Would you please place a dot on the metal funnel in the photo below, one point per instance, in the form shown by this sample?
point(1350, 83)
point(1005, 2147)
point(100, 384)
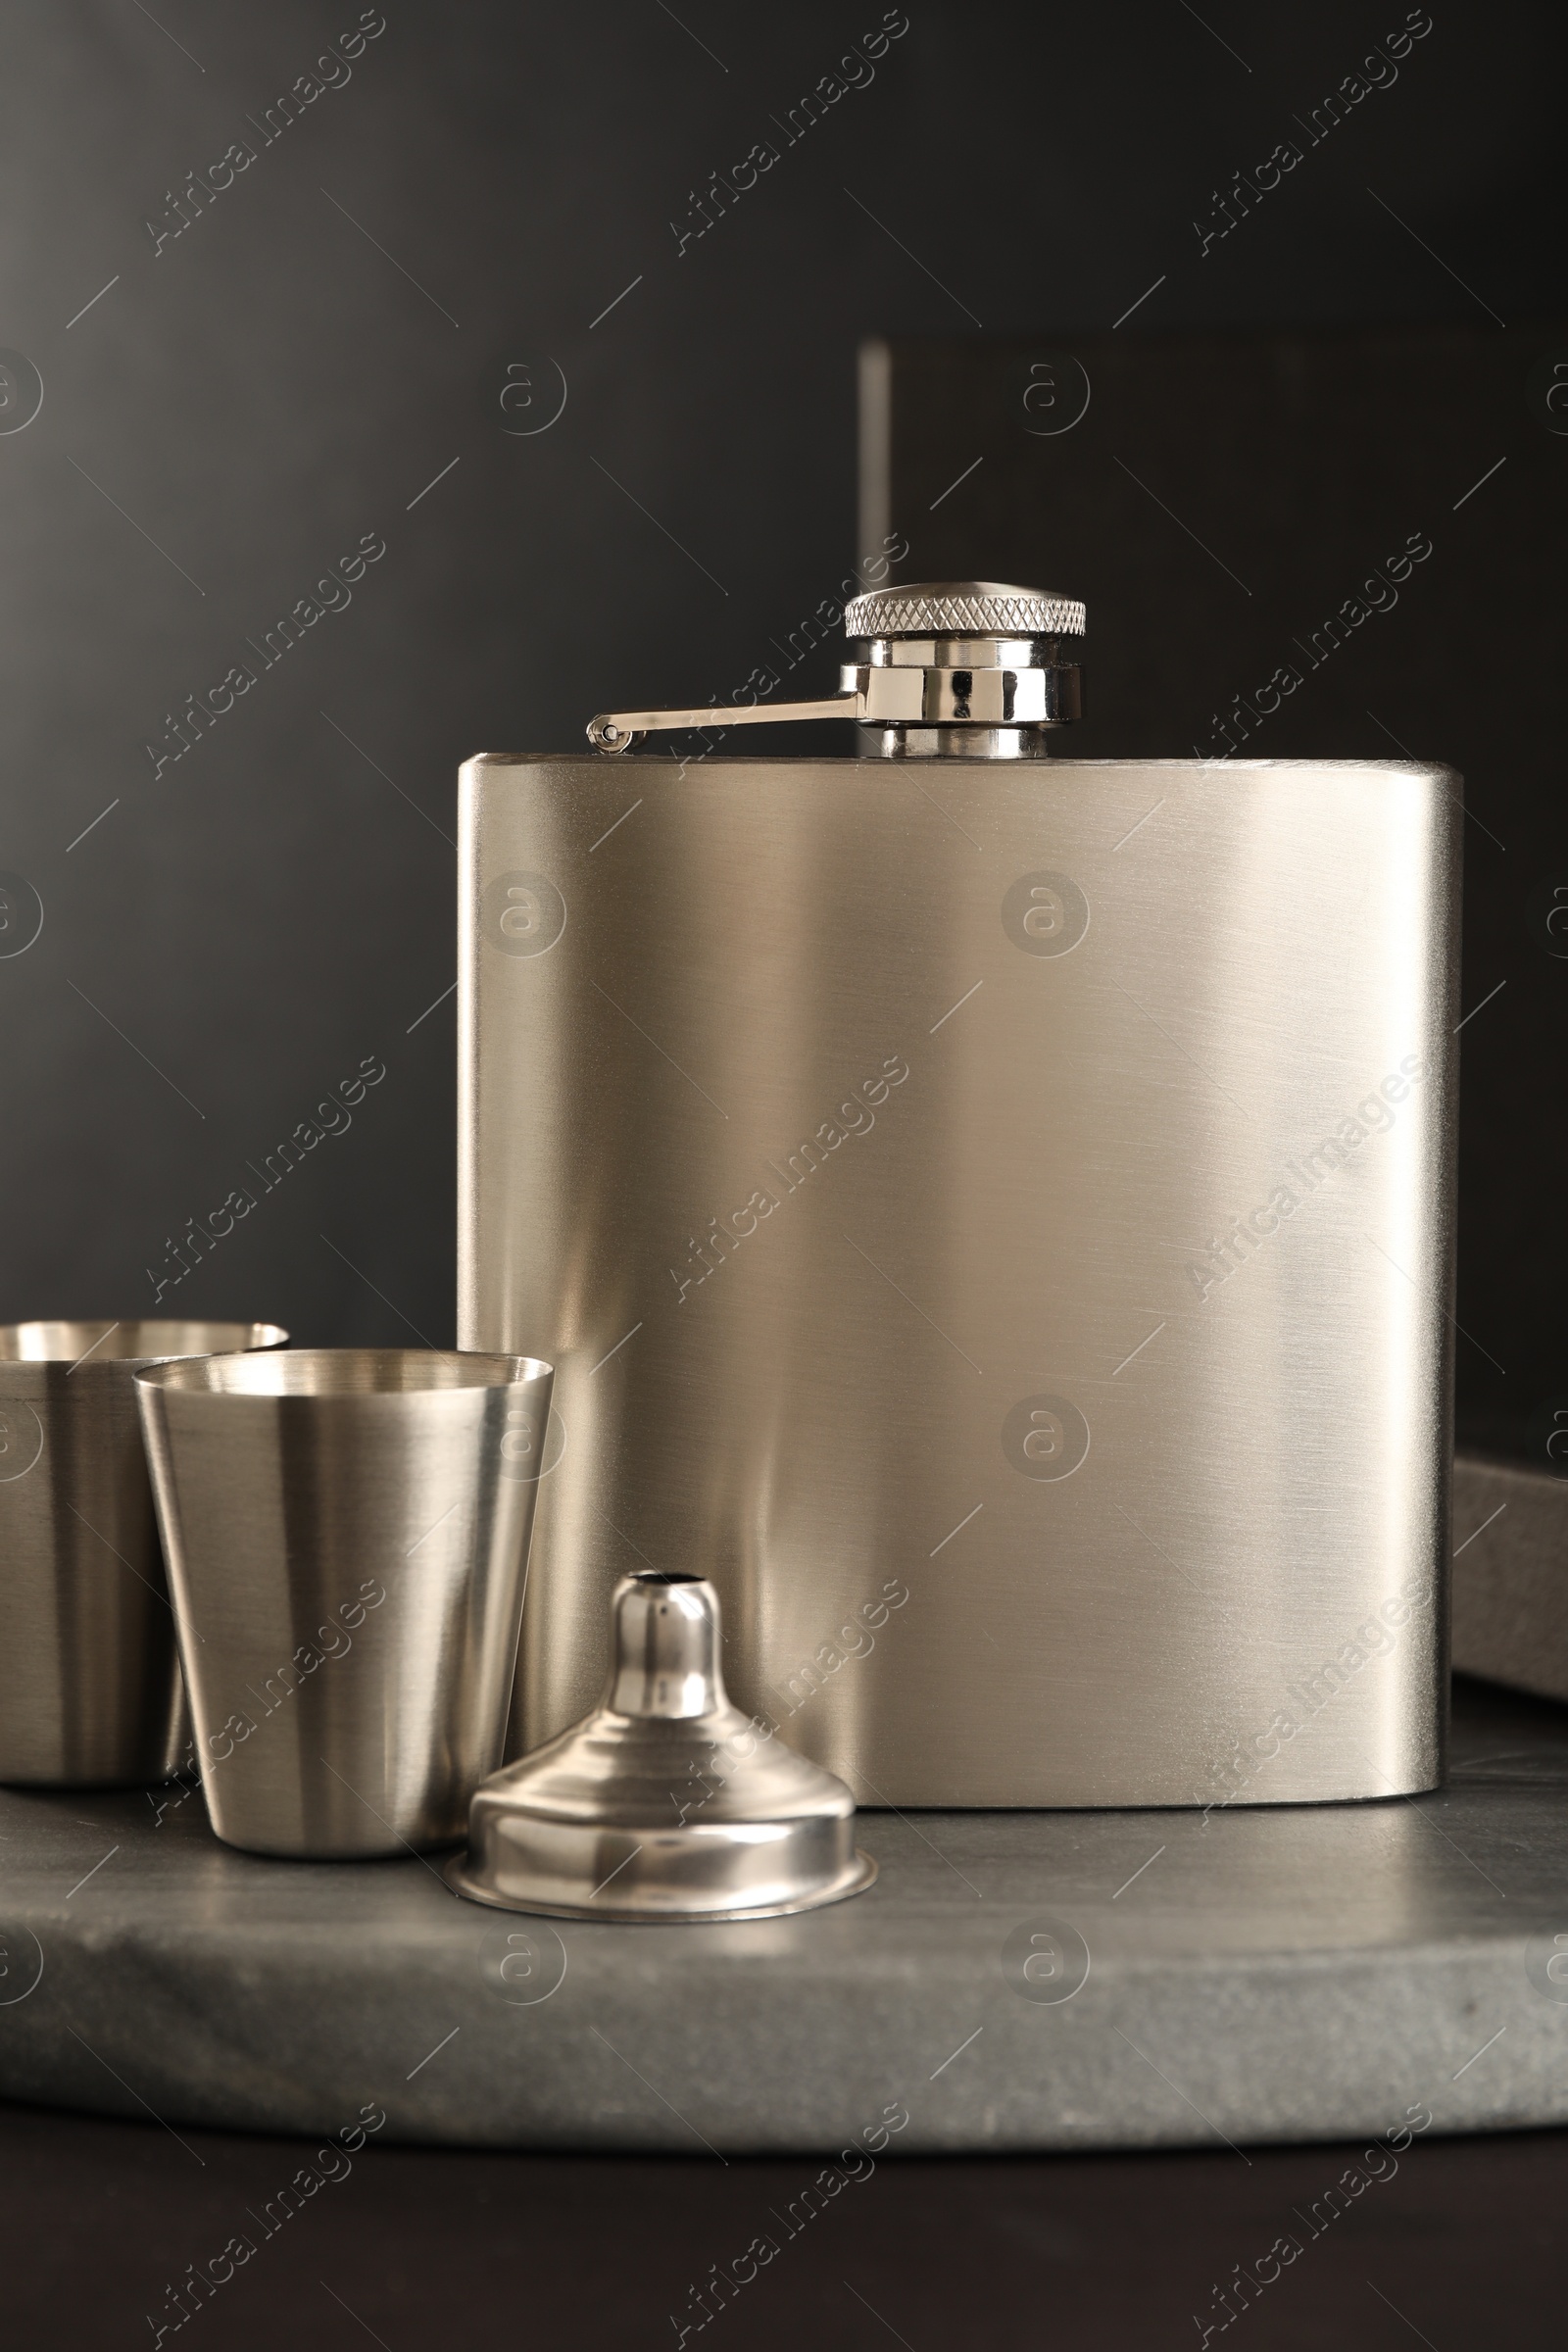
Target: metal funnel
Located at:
point(666, 1802)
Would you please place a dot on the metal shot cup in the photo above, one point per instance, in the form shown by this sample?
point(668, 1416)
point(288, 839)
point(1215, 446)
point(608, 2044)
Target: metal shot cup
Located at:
point(347, 1533)
point(89, 1680)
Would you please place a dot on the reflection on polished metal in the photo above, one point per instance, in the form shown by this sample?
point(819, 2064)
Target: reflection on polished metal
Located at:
point(347, 1531)
point(996, 1223)
point(89, 1684)
point(666, 1802)
point(950, 669)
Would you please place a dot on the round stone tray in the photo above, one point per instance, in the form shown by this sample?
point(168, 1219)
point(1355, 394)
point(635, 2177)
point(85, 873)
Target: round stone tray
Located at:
point(1014, 1981)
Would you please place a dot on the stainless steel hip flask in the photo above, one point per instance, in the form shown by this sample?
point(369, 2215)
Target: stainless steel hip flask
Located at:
point(992, 1215)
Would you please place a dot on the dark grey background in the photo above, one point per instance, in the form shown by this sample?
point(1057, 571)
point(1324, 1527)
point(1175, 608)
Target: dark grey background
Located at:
point(234, 936)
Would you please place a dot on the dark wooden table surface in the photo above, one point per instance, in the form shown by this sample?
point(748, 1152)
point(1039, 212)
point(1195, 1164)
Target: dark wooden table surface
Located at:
point(1462, 2246)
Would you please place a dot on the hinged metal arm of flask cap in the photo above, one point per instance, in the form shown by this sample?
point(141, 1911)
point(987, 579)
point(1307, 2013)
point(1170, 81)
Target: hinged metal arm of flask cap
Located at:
point(618, 730)
point(954, 668)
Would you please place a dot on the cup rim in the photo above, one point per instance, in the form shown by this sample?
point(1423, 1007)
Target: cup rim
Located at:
point(253, 1338)
point(229, 1376)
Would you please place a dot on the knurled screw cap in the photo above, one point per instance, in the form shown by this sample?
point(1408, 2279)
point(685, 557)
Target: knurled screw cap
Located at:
point(963, 609)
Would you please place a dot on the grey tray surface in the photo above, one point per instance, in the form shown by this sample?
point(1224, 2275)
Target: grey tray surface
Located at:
point(1024, 1981)
point(1511, 1574)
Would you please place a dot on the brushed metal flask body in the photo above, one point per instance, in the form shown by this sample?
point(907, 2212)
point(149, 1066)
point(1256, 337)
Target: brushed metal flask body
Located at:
point(995, 1221)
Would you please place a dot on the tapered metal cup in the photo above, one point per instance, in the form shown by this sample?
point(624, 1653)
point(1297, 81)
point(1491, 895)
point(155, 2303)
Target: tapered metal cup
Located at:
point(347, 1531)
point(90, 1681)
